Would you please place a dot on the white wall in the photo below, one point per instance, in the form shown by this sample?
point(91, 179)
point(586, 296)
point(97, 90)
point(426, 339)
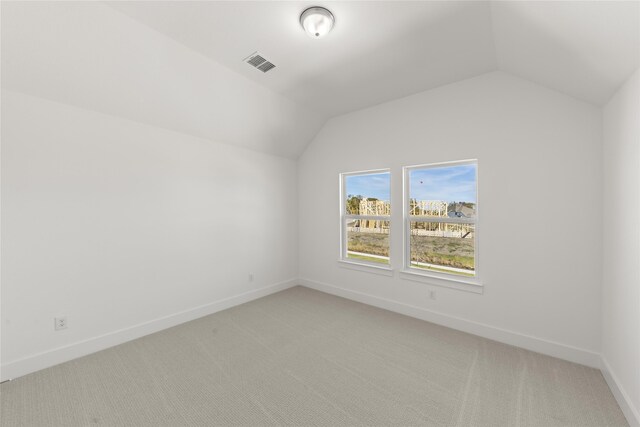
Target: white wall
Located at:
point(540, 208)
point(621, 277)
point(114, 223)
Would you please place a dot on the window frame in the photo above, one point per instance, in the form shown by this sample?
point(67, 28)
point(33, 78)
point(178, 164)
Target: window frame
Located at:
point(344, 216)
point(413, 273)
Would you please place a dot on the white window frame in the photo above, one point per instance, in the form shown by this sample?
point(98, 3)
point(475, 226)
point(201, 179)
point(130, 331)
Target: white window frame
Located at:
point(409, 272)
point(344, 216)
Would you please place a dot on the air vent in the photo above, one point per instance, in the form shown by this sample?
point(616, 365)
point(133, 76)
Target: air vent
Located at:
point(259, 62)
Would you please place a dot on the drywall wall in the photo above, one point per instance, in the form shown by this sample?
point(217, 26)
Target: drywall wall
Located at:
point(126, 228)
point(540, 208)
point(621, 245)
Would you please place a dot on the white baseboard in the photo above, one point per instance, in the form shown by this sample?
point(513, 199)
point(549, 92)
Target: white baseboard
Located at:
point(59, 355)
point(82, 348)
point(629, 410)
point(539, 345)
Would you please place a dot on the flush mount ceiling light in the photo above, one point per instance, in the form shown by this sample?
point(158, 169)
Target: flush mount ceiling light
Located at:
point(317, 21)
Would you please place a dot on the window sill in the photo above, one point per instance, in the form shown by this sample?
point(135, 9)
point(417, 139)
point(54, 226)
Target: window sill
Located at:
point(460, 283)
point(369, 268)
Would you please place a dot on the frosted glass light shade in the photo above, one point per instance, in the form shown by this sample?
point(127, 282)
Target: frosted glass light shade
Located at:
point(317, 21)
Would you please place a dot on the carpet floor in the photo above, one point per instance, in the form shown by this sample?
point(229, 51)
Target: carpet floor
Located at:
point(305, 358)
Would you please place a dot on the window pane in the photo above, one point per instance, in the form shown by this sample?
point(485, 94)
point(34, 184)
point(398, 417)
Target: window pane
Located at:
point(368, 194)
point(443, 247)
point(368, 240)
point(443, 191)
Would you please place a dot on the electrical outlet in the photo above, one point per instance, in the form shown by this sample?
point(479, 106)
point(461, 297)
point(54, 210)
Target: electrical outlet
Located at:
point(60, 323)
point(251, 277)
point(432, 294)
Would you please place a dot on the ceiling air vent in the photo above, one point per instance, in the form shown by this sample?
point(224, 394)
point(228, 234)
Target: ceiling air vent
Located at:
point(257, 61)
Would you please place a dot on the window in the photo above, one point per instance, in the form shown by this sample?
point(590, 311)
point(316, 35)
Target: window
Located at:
point(365, 217)
point(441, 207)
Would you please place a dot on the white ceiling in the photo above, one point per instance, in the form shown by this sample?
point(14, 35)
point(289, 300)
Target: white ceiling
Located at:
point(89, 55)
point(384, 50)
point(584, 49)
point(377, 50)
point(182, 68)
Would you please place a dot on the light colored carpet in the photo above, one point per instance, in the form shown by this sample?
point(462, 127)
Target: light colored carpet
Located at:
point(301, 357)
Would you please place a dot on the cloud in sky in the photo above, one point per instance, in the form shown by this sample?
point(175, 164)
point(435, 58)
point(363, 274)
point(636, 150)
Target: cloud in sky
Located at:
point(369, 186)
point(448, 183)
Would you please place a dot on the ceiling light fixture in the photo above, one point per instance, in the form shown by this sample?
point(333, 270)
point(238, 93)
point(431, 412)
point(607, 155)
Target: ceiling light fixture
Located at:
point(317, 21)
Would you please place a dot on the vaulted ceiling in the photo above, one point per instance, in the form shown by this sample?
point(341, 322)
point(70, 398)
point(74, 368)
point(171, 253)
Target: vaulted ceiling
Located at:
point(179, 64)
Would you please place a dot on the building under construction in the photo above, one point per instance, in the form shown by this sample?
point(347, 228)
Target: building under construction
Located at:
point(423, 208)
